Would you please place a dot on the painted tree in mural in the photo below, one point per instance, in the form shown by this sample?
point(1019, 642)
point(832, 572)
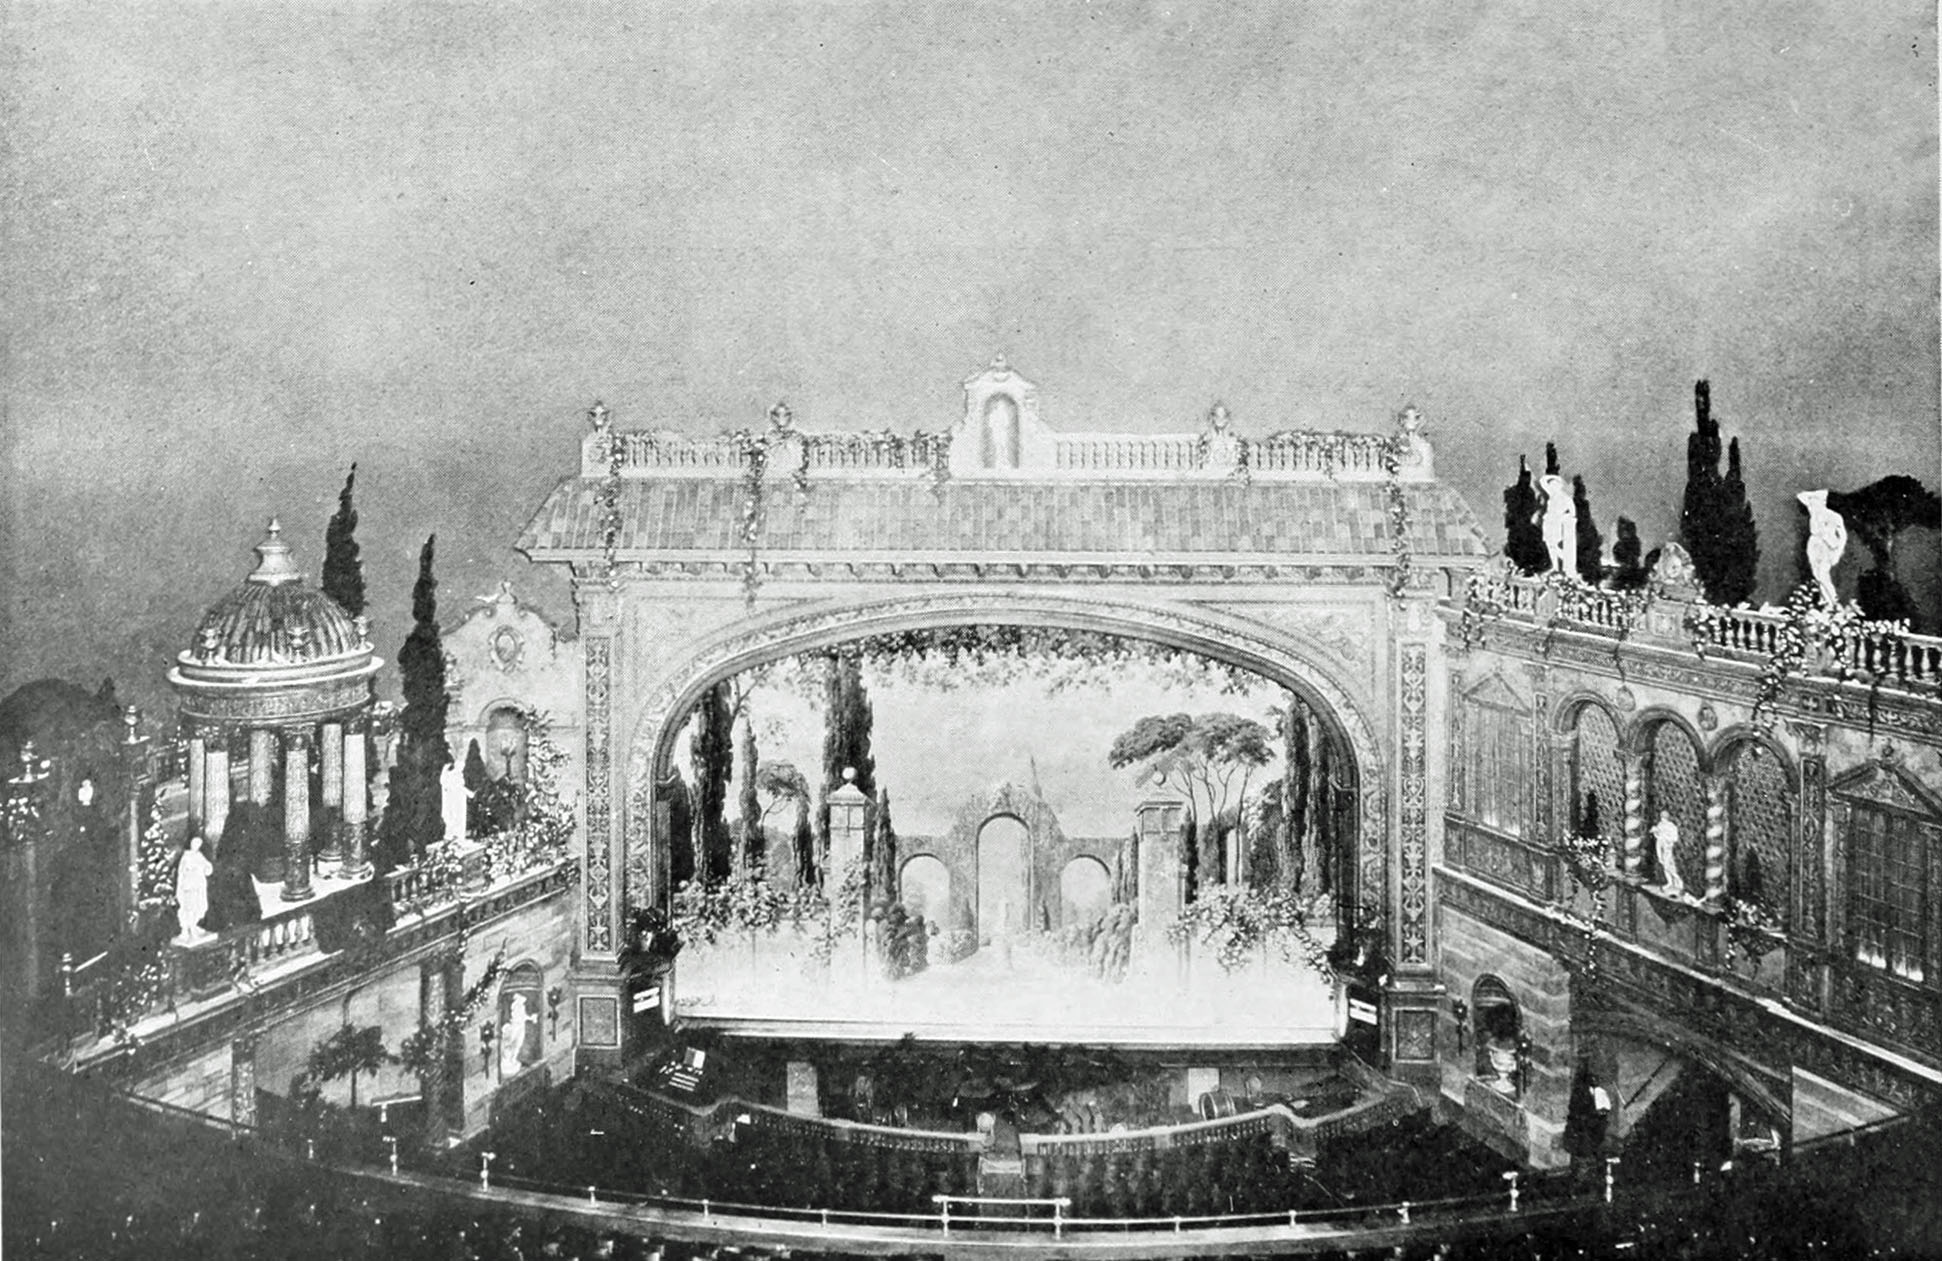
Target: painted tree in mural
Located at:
point(413, 817)
point(784, 785)
point(491, 804)
point(1590, 544)
point(1879, 514)
point(754, 847)
point(681, 824)
point(883, 853)
point(1628, 573)
point(1523, 538)
point(1199, 756)
point(1715, 520)
point(712, 748)
point(1297, 773)
point(847, 721)
point(343, 578)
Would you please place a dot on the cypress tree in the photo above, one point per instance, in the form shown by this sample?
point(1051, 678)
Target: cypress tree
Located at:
point(343, 579)
point(413, 818)
point(1591, 547)
point(1551, 468)
point(847, 718)
point(883, 856)
point(477, 781)
point(1630, 574)
point(1523, 538)
point(714, 759)
point(755, 849)
point(1739, 556)
point(681, 853)
point(1715, 520)
point(1297, 776)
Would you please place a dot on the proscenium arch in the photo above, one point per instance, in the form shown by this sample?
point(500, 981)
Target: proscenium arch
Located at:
point(1282, 660)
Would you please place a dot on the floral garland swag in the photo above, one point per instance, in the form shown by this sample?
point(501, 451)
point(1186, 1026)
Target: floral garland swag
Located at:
point(542, 835)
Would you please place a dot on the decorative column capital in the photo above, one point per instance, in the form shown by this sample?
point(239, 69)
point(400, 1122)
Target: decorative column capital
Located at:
point(1812, 736)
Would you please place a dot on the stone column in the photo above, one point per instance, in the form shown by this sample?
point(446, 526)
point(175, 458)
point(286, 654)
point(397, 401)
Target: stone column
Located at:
point(296, 816)
point(331, 747)
point(198, 750)
point(215, 811)
point(357, 790)
point(1714, 787)
point(1634, 812)
point(134, 761)
point(262, 766)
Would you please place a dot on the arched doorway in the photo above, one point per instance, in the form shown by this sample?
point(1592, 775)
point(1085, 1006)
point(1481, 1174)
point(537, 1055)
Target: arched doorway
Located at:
point(1085, 891)
point(1004, 878)
point(924, 887)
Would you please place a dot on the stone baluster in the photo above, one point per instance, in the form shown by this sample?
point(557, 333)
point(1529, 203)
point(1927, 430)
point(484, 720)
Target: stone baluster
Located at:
point(357, 790)
point(1634, 812)
point(296, 816)
point(331, 748)
point(1715, 790)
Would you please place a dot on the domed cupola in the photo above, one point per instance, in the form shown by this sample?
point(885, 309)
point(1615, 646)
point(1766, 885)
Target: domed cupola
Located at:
point(273, 630)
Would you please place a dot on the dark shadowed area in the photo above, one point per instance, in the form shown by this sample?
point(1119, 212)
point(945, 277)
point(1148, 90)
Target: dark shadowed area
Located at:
point(246, 245)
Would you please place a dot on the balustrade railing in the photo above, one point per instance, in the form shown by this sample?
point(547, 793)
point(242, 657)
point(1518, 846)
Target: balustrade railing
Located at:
point(1293, 456)
point(1905, 658)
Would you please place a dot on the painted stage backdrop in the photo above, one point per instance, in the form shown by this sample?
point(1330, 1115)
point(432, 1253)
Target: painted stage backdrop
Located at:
point(1028, 835)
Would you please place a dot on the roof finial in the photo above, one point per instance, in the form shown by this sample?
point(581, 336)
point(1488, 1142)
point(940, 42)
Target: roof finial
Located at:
point(273, 566)
point(781, 417)
point(598, 415)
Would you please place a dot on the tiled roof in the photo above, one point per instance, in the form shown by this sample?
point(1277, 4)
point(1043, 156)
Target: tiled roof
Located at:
point(1212, 521)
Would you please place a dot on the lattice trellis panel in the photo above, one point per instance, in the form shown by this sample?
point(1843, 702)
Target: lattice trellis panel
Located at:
point(1760, 809)
point(1596, 768)
point(1672, 784)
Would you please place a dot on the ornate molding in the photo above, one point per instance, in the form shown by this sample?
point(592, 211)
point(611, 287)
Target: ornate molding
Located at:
point(599, 937)
point(1413, 801)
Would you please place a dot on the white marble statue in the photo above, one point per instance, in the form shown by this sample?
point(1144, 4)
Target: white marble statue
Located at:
point(192, 871)
point(512, 1036)
point(1827, 538)
point(1665, 839)
point(1560, 524)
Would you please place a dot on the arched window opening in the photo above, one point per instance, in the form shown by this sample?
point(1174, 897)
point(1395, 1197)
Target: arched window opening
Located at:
point(1760, 810)
point(1672, 789)
point(1498, 1029)
point(1597, 779)
point(505, 745)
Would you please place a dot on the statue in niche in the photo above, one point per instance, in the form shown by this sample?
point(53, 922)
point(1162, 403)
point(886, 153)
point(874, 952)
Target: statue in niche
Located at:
point(512, 1036)
point(1827, 538)
point(1001, 432)
point(1665, 840)
point(1223, 448)
point(1560, 525)
point(192, 871)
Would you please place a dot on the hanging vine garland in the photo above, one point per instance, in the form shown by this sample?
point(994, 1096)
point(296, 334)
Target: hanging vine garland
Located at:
point(156, 881)
point(607, 498)
point(432, 1043)
point(1392, 477)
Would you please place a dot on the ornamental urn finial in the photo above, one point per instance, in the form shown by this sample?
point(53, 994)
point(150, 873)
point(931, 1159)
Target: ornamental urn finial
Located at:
point(599, 416)
point(273, 564)
point(780, 417)
point(1218, 418)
